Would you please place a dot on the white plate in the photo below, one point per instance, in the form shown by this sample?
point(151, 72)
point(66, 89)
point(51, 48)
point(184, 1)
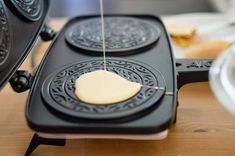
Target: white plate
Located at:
point(211, 26)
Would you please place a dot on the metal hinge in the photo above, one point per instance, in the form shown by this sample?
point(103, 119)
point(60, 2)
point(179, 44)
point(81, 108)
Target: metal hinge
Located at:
point(21, 81)
point(47, 33)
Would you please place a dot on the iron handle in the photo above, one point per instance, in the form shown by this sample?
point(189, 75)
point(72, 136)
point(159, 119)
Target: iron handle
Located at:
point(192, 70)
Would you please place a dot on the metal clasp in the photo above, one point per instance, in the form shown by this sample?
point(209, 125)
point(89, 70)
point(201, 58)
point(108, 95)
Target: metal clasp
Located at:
point(21, 81)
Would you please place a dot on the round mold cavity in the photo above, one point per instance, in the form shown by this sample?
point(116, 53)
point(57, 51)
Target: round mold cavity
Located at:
point(122, 34)
point(58, 89)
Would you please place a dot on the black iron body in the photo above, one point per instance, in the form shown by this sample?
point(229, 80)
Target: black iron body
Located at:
point(155, 119)
point(61, 54)
point(23, 33)
point(157, 116)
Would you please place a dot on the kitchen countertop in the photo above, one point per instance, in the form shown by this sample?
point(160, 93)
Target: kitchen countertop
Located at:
point(203, 128)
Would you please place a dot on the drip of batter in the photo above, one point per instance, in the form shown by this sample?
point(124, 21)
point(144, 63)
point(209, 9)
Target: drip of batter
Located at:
point(103, 32)
point(103, 87)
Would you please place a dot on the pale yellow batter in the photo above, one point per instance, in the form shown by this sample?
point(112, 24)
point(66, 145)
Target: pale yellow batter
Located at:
point(103, 87)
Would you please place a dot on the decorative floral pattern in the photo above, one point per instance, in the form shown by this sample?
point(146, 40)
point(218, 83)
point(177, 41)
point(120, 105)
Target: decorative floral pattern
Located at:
point(61, 87)
point(4, 36)
point(31, 9)
point(121, 34)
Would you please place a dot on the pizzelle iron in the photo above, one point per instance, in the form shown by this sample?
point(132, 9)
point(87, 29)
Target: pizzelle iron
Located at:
point(138, 48)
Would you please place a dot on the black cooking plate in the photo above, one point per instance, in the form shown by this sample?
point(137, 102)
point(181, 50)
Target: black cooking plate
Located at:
point(134, 53)
point(20, 24)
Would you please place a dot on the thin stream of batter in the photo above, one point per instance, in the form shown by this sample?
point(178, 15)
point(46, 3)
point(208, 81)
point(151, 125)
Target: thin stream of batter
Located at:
point(102, 31)
point(113, 97)
point(104, 46)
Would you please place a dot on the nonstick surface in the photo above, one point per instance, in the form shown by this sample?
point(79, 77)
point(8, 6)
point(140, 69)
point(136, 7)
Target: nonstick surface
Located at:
point(58, 89)
point(121, 34)
point(44, 117)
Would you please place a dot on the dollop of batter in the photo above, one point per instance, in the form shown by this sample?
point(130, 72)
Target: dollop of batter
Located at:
point(103, 87)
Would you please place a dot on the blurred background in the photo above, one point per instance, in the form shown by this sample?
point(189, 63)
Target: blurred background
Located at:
point(65, 8)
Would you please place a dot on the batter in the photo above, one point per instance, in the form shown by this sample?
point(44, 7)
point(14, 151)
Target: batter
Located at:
point(103, 87)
